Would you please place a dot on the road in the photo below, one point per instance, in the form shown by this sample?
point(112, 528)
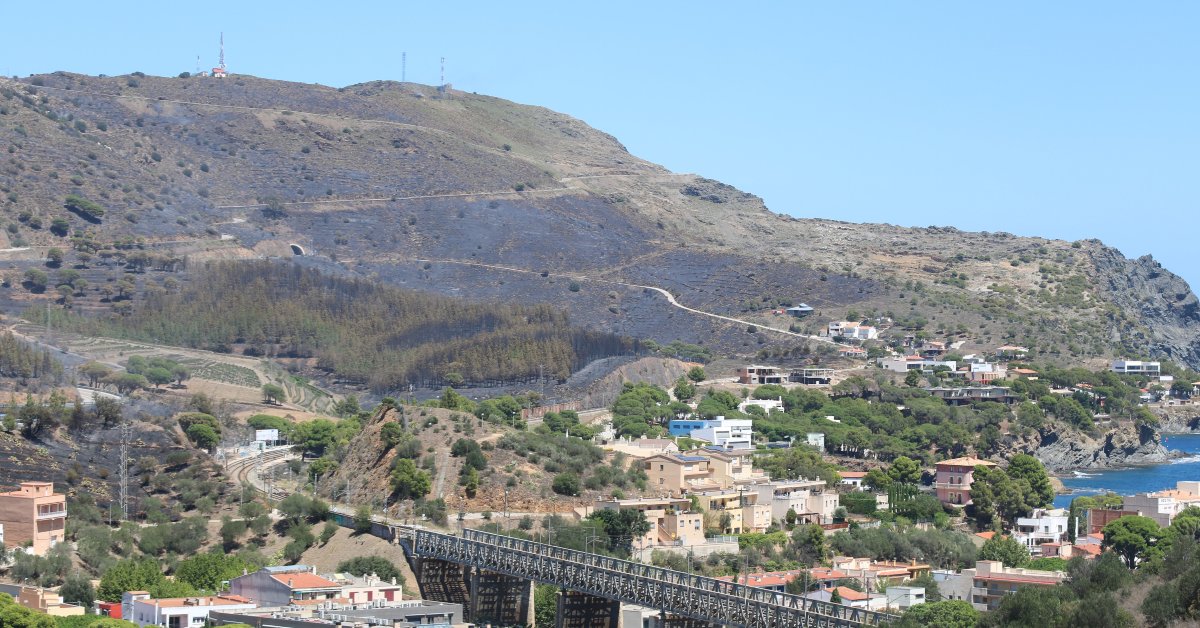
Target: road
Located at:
point(670, 297)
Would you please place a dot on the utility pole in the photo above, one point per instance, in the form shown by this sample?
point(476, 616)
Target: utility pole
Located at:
point(125, 432)
point(404, 67)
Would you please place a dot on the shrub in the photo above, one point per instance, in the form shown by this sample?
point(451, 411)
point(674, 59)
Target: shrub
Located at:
point(90, 210)
point(566, 484)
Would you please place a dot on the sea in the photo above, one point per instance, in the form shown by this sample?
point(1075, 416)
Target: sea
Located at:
point(1138, 479)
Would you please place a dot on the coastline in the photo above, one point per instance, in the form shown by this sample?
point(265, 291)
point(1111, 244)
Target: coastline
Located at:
point(1135, 476)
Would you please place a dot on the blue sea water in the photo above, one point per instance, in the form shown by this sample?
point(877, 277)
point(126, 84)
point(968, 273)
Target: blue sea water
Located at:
point(1140, 479)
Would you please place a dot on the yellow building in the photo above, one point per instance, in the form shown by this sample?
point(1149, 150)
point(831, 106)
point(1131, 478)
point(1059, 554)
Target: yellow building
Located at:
point(744, 514)
point(48, 602)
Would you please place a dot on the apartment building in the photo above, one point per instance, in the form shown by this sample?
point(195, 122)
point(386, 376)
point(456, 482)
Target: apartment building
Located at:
point(744, 513)
point(33, 514)
point(679, 474)
point(731, 468)
point(1042, 527)
point(991, 581)
point(672, 521)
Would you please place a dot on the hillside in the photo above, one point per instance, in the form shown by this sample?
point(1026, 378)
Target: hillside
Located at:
point(473, 196)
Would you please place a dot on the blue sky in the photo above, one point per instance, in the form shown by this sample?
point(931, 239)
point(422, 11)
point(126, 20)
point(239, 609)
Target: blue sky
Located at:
point(1067, 119)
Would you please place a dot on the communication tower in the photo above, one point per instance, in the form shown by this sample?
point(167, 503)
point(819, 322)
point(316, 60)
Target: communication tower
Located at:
point(219, 71)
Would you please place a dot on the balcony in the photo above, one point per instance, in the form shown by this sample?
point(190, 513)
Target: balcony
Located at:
point(952, 486)
point(52, 514)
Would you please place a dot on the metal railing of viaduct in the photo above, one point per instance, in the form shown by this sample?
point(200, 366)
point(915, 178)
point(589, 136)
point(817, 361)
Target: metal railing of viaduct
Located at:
point(697, 597)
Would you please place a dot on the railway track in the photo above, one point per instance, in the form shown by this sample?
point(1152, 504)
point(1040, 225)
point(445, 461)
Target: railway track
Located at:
point(246, 470)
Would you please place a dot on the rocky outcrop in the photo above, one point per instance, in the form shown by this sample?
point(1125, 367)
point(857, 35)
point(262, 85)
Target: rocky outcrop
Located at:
point(1178, 419)
point(1158, 300)
point(1121, 447)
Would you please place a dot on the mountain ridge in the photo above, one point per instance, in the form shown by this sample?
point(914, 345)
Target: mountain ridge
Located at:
point(412, 172)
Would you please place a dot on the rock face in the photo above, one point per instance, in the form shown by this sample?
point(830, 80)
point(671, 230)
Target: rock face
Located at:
point(1117, 448)
point(1179, 419)
point(1160, 301)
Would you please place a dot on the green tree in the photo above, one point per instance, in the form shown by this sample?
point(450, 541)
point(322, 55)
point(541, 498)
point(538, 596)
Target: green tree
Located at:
point(622, 527)
point(129, 575)
point(362, 519)
point(203, 436)
point(95, 372)
point(159, 376)
point(391, 432)
point(1006, 550)
point(207, 571)
point(912, 379)
point(409, 482)
point(684, 389)
point(273, 393)
point(1162, 605)
point(366, 565)
point(905, 470)
point(77, 589)
point(54, 257)
point(545, 604)
point(566, 484)
point(1033, 606)
point(328, 531)
point(1133, 538)
point(36, 279)
point(1030, 469)
point(944, 614)
point(14, 616)
point(126, 383)
point(877, 480)
point(697, 374)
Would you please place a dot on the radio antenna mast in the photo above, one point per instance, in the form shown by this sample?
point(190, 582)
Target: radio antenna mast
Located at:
point(404, 67)
point(221, 62)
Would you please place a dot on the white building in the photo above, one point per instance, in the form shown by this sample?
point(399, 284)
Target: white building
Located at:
point(816, 440)
point(766, 404)
point(1045, 526)
point(904, 597)
point(808, 498)
point(850, 329)
point(179, 612)
point(1136, 367)
point(727, 433)
point(904, 364)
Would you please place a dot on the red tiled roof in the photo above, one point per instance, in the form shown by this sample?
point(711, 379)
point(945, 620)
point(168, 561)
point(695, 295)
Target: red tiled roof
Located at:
point(850, 595)
point(1094, 550)
point(824, 573)
point(767, 579)
point(852, 474)
point(304, 581)
point(986, 535)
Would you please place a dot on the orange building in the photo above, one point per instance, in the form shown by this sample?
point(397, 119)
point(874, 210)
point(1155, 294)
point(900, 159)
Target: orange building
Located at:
point(33, 514)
